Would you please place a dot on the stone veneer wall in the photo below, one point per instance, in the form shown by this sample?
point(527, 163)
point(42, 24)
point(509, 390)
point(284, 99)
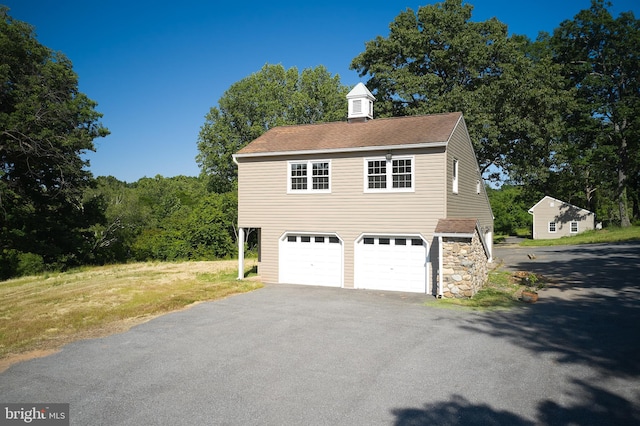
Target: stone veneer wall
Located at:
point(464, 266)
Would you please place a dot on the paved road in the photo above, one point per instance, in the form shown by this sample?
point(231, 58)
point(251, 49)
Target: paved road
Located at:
point(597, 269)
point(288, 355)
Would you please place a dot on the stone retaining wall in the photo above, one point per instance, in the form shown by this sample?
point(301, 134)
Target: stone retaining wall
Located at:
point(464, 266)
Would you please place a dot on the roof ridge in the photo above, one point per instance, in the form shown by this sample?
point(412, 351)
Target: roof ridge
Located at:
point(368, 121)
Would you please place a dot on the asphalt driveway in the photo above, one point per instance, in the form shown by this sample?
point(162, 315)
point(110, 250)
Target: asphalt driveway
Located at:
point(294, 355)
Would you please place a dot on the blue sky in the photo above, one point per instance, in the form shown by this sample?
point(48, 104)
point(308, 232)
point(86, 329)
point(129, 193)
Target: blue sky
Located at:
point(156, 67)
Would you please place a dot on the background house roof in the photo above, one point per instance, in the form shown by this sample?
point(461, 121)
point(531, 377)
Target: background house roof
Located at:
point(341, 135)
point(531, 210)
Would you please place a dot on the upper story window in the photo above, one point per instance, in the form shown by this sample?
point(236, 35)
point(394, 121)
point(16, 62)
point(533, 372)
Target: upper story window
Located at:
point(309, 176)
point(393, 174)
point(456, 173)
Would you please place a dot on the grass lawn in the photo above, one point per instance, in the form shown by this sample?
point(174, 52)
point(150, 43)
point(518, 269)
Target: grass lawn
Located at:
point(45, 312)
point(607, 235)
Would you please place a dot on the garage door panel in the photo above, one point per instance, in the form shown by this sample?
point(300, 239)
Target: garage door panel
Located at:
point(311, 260)
point(391, 263)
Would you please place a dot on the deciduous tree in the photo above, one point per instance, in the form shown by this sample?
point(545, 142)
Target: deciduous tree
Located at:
point(274, 96)
point(46, 125)
point(600, 56)
point(438, 60)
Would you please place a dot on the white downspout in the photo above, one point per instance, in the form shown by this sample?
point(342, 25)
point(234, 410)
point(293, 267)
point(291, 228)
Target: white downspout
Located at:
point(440, 266)
point(240, 241)
point(240, 253)
point(429, 289)
point(489, 241)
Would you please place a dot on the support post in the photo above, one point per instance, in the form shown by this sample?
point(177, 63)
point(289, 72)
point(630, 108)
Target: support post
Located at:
point(440, 266)
point(240, 253)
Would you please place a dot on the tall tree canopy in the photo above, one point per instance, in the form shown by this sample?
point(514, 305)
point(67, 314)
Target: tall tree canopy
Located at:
point(46, 124)
point(601, 59)
point(438, 60)
point(271, 97)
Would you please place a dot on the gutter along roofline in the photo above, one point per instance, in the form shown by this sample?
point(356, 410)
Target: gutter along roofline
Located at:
point(341, 150)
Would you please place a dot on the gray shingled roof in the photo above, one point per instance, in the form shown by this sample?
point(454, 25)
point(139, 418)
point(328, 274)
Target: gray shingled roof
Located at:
point(382, 132)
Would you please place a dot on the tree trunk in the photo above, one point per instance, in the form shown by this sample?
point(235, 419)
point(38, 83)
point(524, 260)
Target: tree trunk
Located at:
point(624, 213)
point(623, 156)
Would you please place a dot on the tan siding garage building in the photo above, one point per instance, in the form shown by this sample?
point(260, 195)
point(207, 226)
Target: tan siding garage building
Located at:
point(355, 204)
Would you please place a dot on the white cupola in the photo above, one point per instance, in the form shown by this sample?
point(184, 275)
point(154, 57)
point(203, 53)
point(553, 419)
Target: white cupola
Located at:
point(360, 102)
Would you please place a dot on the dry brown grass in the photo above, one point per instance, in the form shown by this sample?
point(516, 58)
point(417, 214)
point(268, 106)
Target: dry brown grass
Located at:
point(40, 314)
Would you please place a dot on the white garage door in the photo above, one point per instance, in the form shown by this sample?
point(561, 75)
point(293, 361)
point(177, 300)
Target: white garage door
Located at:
point(311, 259)
point(396, 263)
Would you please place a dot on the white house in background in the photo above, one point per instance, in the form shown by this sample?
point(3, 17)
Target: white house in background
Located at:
point(553, 218)
point(355, 204)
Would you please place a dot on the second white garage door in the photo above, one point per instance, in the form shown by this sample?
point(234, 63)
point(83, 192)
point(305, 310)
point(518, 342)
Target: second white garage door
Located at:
point(310, 259)
point(396, 263)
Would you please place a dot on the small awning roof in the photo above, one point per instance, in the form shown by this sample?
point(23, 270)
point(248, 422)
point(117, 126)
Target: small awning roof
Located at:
point(462, 227)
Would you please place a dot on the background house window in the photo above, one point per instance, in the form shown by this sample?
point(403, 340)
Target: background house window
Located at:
point(300, 180)
point(552, 227)
point(574, 227)
point(380, 171)
point(455, 176)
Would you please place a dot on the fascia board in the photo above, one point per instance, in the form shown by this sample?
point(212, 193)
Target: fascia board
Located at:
point(340, 150)
point(452, 235)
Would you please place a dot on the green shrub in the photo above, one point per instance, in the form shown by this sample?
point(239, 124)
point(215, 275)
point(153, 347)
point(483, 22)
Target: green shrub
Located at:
point(30, 264)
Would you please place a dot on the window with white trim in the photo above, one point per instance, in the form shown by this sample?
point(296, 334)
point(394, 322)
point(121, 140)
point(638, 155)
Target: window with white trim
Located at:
point(455, 176)
point(552, 227)
point(393, 174)
point(401, 173)
point(309, 176)
point(573, 228)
